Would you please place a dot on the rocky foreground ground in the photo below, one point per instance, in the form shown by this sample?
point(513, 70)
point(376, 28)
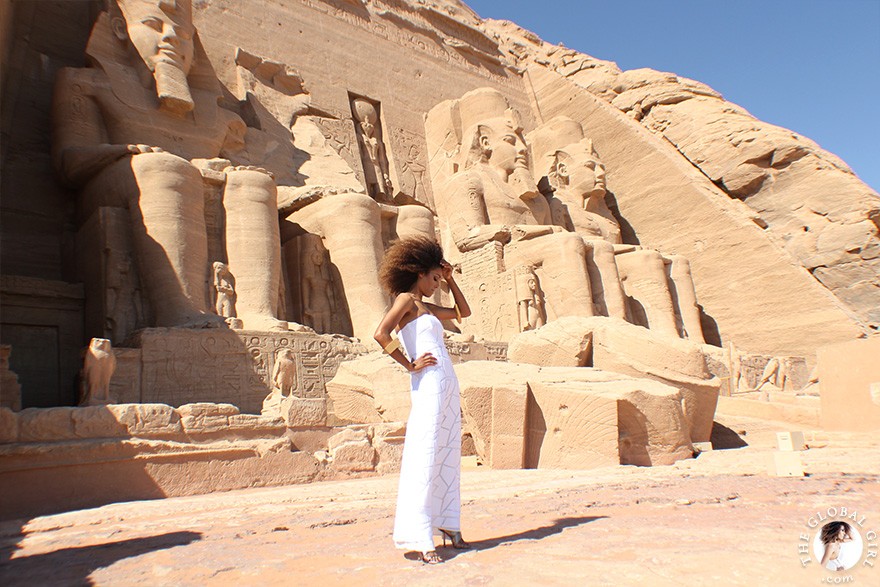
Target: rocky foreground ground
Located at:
point(719, 519)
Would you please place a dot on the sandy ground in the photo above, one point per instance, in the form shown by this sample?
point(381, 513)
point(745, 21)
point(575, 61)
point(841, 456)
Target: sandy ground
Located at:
point(719, 519)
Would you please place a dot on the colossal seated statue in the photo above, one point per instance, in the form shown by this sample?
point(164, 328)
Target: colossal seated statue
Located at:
point(137, 130)
point(660, 288)
point(490, 196)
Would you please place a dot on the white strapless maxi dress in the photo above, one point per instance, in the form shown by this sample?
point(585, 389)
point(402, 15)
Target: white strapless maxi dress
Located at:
point(428, 496)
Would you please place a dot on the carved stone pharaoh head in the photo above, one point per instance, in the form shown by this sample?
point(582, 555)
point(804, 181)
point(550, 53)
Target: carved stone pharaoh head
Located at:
point(578, 167)
point(493, 136)
point(567, 159)
point(161, 32)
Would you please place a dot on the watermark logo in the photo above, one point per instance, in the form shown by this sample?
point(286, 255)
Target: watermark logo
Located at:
point(839, 542)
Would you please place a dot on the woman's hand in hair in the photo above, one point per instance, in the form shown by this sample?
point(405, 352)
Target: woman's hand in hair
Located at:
point(446, 270)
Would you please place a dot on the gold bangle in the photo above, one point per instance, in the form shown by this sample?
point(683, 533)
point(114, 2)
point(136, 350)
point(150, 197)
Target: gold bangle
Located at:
point(392, 346)
point(457, 314)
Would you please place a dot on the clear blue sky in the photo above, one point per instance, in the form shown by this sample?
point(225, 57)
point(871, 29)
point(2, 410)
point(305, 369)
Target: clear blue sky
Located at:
point(812, 66)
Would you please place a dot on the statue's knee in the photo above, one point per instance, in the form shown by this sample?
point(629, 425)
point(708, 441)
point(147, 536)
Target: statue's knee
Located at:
point(161, 163)
point(680, 264)
point(601, 249)
point(414, 221)
point(357, 207)
point(571, 244)
point(165, 172)
point(250, 180)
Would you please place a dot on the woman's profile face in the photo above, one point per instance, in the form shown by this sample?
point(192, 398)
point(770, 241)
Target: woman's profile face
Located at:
point(429, 282)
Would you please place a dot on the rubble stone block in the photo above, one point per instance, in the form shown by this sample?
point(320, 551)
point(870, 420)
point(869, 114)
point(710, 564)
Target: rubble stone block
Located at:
point(790, 441)
point(570, 428)
point(653, 428)
point(8, 426)
point(304, 412)
point(371, 388)
point(146, 420)
point(97, 422)
point(204, 417)
point(508, 451)
point(206, 409)
point(786, 464)
point(46, 424)
point(347, 436)
point(256, 423)
point(579, 417)
point(561, 343)
point(354, 457)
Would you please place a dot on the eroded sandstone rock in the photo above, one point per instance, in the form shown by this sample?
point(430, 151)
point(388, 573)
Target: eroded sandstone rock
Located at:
point(372, 388)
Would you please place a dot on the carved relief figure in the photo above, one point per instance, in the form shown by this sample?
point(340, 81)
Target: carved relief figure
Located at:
point(10, 390)
point(409, 150)
point(318, 295)
point(375, 160)
point(491, 196)
point(775, 373)
point(284, 372)
point(124, 309)
point(224, 285)
point(98, 366)
point(530, 300)
point(137, 130)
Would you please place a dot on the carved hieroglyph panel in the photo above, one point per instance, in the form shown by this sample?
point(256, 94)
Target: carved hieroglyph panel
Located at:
point(182, 366)
point(491, 293)
point(340, 134)
point(409, 165)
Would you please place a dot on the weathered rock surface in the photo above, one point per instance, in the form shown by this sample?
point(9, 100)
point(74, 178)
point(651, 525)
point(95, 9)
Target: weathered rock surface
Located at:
point(810, 202)
point(761, 284)
point(620, 347)
point(509, 408)
point(372, 388)
point(566, 342)
point(572, 417)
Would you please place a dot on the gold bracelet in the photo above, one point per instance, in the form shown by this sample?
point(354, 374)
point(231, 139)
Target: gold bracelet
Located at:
point(392, 346)
point(457, 314)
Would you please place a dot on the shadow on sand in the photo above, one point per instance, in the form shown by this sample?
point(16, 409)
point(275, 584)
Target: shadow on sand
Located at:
point(73, 566)
point(535, 534)
point(724, 438)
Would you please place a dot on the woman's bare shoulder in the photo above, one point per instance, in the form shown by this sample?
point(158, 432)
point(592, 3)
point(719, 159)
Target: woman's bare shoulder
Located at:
point(405, 299)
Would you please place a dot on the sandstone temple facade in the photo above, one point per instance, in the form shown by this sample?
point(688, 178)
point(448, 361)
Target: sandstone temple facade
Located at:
point(196, 197)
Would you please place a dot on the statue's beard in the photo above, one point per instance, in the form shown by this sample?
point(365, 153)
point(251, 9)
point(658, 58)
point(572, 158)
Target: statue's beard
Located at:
point(172, 88)
point(523, 184)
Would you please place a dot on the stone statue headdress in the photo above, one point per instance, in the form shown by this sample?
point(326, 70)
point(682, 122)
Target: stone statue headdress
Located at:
point(452, 130)
point(107, 49)
point(556, 142)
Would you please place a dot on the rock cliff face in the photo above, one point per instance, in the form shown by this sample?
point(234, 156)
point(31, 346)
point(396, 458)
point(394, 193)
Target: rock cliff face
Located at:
point(807, 199)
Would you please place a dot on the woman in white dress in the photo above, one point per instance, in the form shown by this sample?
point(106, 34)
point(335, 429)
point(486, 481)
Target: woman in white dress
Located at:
point(428, 499)
point(834, 535)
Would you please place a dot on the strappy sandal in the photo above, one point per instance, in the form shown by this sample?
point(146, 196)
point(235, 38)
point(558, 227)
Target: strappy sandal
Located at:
point(430, 558)
point(455, 539)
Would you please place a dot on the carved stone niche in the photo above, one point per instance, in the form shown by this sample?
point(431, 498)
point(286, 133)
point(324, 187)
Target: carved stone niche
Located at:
point(315, 295)
point(368, 127)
